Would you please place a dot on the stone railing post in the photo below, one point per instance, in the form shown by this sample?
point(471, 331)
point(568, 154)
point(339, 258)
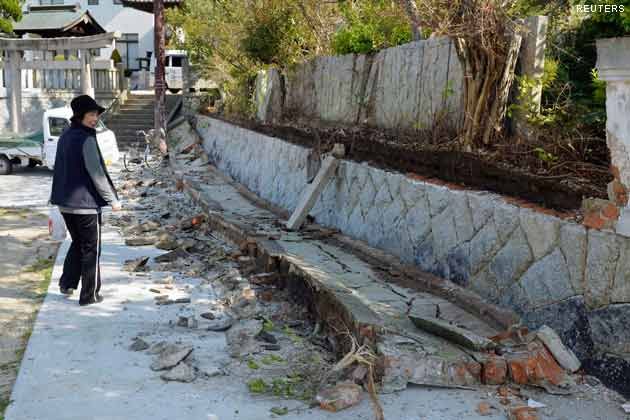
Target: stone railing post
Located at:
point(15, 89)
point(613, 65)
point(532, 65)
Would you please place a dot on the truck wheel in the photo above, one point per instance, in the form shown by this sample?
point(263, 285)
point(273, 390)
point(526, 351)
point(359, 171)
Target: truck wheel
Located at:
point(6, 167)
point(32, 163)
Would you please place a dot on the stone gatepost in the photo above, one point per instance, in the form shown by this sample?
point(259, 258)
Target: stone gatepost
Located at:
point(613, 65)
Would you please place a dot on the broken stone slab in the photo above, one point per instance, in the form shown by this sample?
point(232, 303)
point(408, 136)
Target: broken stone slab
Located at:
point(149, 226)
point(167, 242)
point(406, 363)
point(453, 333)
point(193, 222)
point(339, 397)
point(180, 373)
point(171, 356)
point(133, 266)
point(138, 345)
point(563, 355)
point(222, 323)
point(241, 337)
point(172, 256)
point(141, 241)
point(172, 301)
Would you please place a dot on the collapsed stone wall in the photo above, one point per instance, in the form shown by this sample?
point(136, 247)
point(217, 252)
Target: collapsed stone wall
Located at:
point(549, 270)
point(404, 87)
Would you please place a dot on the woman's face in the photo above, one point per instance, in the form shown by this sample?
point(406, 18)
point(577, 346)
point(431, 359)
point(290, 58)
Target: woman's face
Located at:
point(90, 119)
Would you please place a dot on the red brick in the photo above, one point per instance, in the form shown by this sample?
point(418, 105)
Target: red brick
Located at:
point(536, 366)
point(594, 221)
point(523, 413)
point(494, 371)
point(483, 408)
point(610, 211)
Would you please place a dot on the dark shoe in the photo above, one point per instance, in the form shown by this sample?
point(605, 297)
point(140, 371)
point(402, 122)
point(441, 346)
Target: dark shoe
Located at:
point(99, 299)
point(68, 291)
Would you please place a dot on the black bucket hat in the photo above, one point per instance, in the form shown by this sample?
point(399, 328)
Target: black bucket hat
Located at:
point(83, 104)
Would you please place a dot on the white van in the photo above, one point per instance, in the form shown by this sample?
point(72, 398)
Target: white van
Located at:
point(173, 73)
point(40, 148)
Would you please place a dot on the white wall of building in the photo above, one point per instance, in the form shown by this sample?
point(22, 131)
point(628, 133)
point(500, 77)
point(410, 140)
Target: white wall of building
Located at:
point(115, 17)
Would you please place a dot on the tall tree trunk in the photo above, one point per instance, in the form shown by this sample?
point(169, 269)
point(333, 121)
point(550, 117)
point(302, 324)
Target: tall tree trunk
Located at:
point(414, 17)
point(160, 82)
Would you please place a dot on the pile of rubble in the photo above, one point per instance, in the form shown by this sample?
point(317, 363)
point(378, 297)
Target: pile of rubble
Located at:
point(278, 343)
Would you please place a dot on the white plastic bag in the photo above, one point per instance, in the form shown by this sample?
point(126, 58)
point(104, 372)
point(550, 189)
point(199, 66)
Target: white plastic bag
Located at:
point(56, 225)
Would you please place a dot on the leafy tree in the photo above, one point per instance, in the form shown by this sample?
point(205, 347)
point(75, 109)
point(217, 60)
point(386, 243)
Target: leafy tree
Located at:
point(230, 40)
point(10, 11)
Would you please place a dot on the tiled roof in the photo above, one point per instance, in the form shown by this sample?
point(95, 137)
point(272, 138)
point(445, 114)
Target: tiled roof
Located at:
point(54, 18)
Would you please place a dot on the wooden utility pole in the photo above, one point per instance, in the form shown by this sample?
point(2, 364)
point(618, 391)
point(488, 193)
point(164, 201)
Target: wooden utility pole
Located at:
point(160, 82)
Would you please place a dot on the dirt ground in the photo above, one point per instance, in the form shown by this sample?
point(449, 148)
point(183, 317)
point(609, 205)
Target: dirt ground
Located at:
point(26, 260)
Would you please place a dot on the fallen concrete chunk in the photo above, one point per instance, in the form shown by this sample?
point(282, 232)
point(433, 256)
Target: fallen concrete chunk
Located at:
point(312, 192)
point(170, 357)
point(141, 241)
point(167, 242)
point(221, 323)
point(523, 413)
point(453, 333)
point(136, 265)
point(339, 397)
point(563, 355)
point(240, 338)
point(138, 345)
point(172, 256)
point(180, 373)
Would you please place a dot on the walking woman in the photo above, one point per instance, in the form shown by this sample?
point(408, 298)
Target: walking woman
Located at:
point(81, 187)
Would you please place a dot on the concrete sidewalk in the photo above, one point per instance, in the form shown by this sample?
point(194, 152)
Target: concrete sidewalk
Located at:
point(78, 366)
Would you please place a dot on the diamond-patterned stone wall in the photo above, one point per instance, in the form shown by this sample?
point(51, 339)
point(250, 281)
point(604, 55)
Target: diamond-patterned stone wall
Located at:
point(545, 268)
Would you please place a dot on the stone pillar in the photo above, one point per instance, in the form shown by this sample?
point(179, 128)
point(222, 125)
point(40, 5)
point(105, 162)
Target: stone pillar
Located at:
point(532, 65)
point(15, 89)
point(613, 65)
point(86, 73)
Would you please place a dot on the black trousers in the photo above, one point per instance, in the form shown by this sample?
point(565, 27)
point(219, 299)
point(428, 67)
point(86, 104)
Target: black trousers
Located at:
point(83, 259)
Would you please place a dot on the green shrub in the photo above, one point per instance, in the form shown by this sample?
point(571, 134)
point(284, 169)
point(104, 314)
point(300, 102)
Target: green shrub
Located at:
point(371, 26)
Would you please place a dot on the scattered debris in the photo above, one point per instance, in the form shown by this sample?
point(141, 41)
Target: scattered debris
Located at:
point(172, 256)
point(138, 345)
point(171, 356)
point(626, 407)
point(279, 411)
point(180, 373)
point(484, 408)
point(240, 338)
point(522, 413)
point(136, 265)
point(167, 242)
point(141, 241)
point(152, 290)
point(222, 323)
point(172, 301)
point(339, 397)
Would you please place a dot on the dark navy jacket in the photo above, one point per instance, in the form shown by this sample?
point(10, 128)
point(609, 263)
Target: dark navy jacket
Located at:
point(72, 185)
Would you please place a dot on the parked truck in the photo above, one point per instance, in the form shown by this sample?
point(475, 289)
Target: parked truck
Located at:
point(40, 148)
